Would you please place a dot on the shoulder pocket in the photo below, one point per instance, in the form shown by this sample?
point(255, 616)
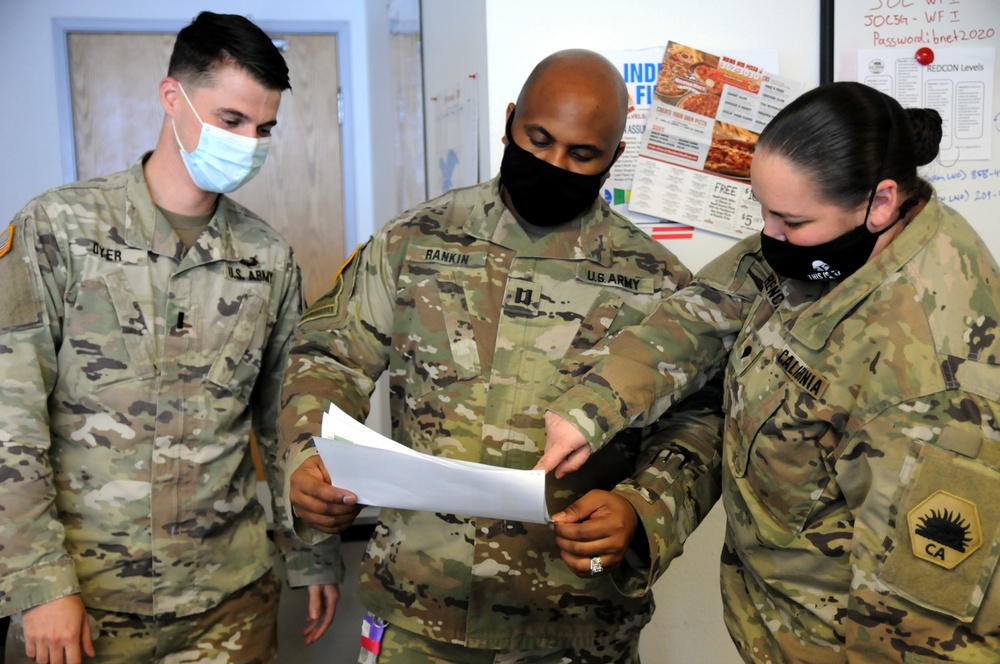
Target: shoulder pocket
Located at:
point(20, 304)
point(944, 553)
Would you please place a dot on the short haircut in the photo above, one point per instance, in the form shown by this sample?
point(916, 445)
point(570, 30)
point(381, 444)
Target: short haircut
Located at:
point(214, 40)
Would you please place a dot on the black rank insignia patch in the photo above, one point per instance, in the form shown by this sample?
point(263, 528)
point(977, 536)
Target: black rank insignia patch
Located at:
point(944, 529)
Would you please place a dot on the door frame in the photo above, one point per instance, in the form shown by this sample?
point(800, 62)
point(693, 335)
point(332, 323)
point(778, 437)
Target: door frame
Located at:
point(61, 28)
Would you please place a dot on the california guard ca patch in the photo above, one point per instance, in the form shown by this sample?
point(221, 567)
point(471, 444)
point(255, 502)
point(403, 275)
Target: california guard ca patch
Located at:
point(6, 240)
point(944, 529)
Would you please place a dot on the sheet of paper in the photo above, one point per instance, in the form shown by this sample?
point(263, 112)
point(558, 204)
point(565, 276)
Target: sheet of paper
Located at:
point(383, 473)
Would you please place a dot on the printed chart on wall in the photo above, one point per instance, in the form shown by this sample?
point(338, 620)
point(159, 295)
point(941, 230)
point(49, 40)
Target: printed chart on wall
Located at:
point(691, 133)
point(938, 54)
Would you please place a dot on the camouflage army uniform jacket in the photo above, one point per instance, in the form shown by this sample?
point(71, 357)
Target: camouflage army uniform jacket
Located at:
point(131, 374)
point(474, 321)
point(861, 470)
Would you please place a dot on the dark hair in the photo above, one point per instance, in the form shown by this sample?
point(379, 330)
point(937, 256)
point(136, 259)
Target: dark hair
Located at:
point(847, 136)
point(213, 39)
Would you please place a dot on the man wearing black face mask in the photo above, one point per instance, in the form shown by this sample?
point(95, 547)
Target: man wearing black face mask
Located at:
point(480, 303)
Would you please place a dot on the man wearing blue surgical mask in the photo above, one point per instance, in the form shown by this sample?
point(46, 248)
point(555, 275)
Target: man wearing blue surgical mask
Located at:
point(144, 328)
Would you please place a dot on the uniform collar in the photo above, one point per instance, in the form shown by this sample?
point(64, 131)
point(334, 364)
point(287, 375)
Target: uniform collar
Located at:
point(146, 228)
point(815, 325)
point(587, 237)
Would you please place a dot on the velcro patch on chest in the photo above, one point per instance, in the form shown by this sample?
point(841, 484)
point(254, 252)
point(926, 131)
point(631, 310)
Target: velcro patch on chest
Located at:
point(440, 256)
point(241, 272)
point(801, 374)
point(615, 278)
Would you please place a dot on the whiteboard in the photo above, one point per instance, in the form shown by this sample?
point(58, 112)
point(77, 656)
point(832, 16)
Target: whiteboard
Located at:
point(970, 186)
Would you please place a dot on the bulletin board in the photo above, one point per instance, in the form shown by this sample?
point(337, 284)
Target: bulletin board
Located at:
point(946, 28)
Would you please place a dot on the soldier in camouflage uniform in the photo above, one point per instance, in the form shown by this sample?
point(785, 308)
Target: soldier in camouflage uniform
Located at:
point(473, 302)
point(143, 332)
point(859, 341)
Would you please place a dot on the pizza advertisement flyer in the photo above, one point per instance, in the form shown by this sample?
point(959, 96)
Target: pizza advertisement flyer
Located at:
point(693, 165)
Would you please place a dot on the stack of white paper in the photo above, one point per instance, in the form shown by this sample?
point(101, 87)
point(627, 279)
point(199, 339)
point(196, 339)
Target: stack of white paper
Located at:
point(383, 473)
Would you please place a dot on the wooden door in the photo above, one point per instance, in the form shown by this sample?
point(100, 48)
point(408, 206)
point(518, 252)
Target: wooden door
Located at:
point(114, 81)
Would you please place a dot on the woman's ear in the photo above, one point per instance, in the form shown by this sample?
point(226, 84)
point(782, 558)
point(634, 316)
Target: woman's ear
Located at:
point(885, 206)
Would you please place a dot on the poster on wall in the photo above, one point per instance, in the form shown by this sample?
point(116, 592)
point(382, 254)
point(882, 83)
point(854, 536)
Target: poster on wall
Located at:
point(455, 156)
point(956, 82)
point(693, 158)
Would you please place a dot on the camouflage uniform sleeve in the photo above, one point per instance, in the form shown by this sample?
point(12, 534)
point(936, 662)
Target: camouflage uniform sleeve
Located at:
point(34, 566)
point(304, 564)
point(648, 367)
point(340, 348)
point(677, 481)
point(922, 482)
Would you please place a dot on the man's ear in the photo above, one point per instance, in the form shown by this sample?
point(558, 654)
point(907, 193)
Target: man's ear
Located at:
point(506, 119)
point(171, 96)
point(619, 151)
point(885, 206)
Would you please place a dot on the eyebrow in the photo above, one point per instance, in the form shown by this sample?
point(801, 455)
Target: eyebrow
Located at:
point(793, 218)
point(575, 146)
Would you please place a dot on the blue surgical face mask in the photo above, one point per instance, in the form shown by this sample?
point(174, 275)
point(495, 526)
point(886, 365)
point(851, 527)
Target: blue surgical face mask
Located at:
point(223, 161)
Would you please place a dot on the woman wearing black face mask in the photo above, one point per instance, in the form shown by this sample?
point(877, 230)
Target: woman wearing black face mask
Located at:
point(837, 181)
point(859, 339)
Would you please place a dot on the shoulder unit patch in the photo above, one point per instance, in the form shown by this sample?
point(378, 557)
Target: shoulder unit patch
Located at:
point(944, 529)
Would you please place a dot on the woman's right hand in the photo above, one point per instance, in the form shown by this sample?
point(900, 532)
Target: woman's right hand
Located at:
point(565, 447)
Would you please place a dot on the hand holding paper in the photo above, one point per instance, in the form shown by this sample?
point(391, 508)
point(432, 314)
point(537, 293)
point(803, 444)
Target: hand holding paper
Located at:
point(384, 473)
point(327, 508)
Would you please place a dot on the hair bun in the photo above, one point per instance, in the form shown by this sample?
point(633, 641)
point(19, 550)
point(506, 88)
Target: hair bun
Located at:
point(926, 133)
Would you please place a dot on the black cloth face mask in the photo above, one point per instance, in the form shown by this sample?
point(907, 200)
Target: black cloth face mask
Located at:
point(543, 194)
point(831, 261)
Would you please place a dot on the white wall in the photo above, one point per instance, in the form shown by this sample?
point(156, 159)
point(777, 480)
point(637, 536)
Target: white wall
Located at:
point(453, 33)
point(516, 34)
